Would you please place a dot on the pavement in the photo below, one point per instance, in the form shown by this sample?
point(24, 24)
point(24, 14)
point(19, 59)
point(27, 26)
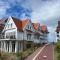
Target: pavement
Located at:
point(42, 53)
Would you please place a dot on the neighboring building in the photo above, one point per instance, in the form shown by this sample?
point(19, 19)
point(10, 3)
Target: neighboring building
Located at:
point(58, 32)
point(2, 24)
point(19, 35)
point(44, 37)
point(37, 33)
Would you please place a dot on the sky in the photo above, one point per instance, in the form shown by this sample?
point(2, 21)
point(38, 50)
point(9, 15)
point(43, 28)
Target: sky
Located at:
point(38, 11)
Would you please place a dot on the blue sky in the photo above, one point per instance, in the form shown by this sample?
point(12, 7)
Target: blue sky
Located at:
point(42, 11)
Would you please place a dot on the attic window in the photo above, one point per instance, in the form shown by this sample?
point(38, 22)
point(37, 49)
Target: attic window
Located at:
point(11, 24)
point(28, 26)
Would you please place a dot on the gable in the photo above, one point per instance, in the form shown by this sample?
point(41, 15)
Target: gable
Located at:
point(29, 26)
point(10, 24)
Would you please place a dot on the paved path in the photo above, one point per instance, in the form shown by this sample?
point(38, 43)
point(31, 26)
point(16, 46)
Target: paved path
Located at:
point(45, 53)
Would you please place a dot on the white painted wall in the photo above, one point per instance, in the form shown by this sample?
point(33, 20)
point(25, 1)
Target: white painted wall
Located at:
point(57, 38)
point(8, 28)
point(20, 35)
point(10, 20)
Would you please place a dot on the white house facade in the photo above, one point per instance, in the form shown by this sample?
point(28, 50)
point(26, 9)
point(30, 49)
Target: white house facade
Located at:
point(19, 35)
point(58, 32)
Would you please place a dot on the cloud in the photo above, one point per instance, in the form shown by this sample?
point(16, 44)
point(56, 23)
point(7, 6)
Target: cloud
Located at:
point(18, 11)
point(46, 12)
point(14, 8)
point(52, 34)
point(3, 7)
point(42, 11)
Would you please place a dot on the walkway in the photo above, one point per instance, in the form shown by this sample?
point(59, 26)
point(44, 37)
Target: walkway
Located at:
point(44, 53)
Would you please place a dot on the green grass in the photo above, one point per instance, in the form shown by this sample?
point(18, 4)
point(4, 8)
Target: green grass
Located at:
point(55, 55)
point(56, 51)
point(16, 56)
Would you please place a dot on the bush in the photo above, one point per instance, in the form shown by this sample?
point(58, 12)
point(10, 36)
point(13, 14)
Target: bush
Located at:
point(58, 57)
point(16, 56)
point(7, 56)
point(57, 48)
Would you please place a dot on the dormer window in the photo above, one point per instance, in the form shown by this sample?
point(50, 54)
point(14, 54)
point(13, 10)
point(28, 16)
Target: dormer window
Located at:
point(28, 26)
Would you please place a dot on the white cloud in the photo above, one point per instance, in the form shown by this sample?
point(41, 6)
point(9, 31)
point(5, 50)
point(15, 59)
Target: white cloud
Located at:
point(43, 9)
point(52, 34)
point(3, 7)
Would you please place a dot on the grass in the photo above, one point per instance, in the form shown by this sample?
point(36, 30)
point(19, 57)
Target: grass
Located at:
point(16, 56)
point(56, 51)
point(55, 55)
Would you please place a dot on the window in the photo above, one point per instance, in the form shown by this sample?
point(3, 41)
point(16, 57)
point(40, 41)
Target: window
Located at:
point(28, 36)
point(58, 32)
point(36, 36)
point(29, 27)
point(11, 24)
point(57, 35)
point(11, 35)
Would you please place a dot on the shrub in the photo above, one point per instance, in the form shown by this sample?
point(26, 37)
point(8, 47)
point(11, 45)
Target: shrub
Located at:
point(7, 56)
point(57, 48)
point(58, 57)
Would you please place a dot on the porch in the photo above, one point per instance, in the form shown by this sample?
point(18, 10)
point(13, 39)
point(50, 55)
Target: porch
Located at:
point(14, 45)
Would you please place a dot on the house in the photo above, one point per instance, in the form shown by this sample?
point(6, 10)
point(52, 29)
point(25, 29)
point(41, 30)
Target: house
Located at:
point(19, 35)
point(37, 33)
point(44, 37)
point(58, 32)
point(2, 24)
point(41, 33)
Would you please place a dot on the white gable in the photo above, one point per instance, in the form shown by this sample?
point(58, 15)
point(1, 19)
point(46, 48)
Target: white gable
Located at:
point(29, 26)
point(9, 24)
point(10, 28)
